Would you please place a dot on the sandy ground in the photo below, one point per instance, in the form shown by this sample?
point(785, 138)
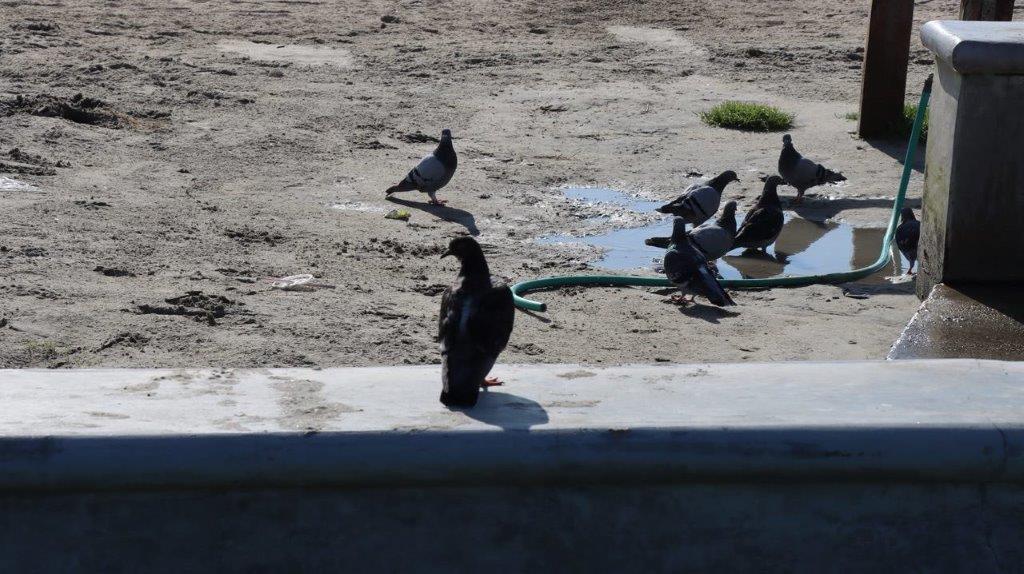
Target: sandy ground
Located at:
point(214, 141)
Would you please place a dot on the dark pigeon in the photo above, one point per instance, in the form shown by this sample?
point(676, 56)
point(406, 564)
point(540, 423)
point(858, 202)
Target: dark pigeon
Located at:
point(476, 320)
point(763, 223)
point(433, 172)
point(801, 172)
point(688, 270)
point(907, 234)
point(700, 201)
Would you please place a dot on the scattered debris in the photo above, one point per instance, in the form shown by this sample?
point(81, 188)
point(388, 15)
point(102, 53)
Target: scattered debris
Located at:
point(111, 272)
point(193, 304)
point(400, 214)
point(301, 282)
point(126, 339)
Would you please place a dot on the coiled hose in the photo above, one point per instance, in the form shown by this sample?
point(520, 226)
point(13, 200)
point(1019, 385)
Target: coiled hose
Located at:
point(519, 289)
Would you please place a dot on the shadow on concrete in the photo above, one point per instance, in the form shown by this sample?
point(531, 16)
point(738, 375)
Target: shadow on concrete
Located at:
point(508, 411)
point(897, 149)
point(450, 214)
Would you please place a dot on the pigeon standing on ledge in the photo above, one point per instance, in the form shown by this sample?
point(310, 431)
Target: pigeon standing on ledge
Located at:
point(475, 324)
point(433, 172)
point(907, 235)
point(763, 224)
point(700, 201)
point(688, 270)
point(801, 172)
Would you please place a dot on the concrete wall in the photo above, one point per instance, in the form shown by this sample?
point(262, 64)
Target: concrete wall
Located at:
point(973, 204)
point(795, 467)
point(706, 527)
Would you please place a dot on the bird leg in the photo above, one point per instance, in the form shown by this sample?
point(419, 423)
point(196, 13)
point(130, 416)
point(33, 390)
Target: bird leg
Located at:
point(680, 299)
point(491, 382)
point(435, 201)
point(799, 198)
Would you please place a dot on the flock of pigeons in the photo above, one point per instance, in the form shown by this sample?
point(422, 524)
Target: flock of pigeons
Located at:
point(477, 312)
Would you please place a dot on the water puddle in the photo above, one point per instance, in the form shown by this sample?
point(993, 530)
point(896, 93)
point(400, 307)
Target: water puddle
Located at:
point(294, 53)
point(11, 184)
point(804, 247)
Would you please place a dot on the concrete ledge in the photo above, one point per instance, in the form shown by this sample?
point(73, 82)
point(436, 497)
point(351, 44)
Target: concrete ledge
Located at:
point(980, 321)
point(909, 420)
point(977, 47)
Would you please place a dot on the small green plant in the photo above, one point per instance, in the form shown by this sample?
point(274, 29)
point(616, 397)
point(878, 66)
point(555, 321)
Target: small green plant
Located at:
point(748, 117)
point(907, 125)
point(852, 116)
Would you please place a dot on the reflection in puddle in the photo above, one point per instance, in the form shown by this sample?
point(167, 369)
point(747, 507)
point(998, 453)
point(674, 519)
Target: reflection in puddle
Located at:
point(804, 247)
point(598, 195)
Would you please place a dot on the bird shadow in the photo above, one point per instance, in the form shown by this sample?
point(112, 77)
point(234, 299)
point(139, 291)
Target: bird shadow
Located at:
point(507, 411)
point(708, 313)
point(540, 318)
point(450, 214)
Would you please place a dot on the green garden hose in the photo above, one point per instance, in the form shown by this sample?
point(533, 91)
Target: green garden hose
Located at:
point(519, 289)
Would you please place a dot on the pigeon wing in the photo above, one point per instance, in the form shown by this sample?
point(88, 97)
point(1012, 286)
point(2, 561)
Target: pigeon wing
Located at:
point(448, 319)
point(712, 240)
point(712, 289)
point(490, 325)
point(759, 225)
point(429, 175)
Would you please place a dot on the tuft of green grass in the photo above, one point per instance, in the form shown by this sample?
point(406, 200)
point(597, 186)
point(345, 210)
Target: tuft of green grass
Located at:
point(748, 117)
point(852, 116)
point(907, 125)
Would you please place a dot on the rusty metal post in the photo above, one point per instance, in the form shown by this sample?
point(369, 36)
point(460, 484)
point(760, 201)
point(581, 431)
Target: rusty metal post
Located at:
point(992, 10)
point(884, 80)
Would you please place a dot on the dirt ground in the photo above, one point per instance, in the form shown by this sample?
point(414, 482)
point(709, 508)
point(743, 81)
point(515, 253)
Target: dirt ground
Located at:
point(215, 144)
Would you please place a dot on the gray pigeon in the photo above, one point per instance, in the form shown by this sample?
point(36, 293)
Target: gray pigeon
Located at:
point(477, 315)
point(763, 223)
point(907, 235)
point(801, 172)
point(433, 172)
point(688, 270)
point(700, 201)
point(715, 238)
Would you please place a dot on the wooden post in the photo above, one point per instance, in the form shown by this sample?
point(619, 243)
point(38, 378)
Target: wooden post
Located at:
point(884, 79)
point(998, 10)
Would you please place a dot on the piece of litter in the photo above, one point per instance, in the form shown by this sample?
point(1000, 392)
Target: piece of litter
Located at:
point(400, 214)
point(11, 184)
point(300, 282)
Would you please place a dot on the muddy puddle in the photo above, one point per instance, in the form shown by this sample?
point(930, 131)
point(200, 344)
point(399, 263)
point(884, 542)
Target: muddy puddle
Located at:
point(804, 247)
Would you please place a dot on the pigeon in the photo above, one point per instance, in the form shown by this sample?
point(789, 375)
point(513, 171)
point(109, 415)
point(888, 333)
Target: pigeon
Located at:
point(712, 238)
point(475, 324)
point(700, 201)
point(907, 235)
point(715, 238)
point(433, 172)
point(688, 270)
point(763, 223)
point(801, 172)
